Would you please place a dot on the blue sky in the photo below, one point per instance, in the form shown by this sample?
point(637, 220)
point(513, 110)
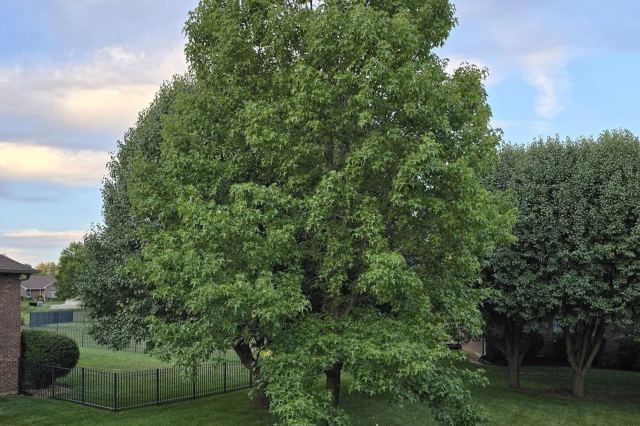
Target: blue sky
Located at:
point(74, 74)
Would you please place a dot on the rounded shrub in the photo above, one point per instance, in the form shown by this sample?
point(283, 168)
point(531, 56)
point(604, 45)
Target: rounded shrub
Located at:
point(42, 350)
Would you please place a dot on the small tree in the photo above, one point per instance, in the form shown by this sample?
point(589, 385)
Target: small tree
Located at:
point(47, 268)
point(68, 271)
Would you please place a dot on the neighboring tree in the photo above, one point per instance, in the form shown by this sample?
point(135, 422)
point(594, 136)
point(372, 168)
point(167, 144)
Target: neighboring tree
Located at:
point(318, 203)
point(577, 253)
point(523, 303)
point(68, 270)
point(47, 268)
point(116, 302)
point(598, 252)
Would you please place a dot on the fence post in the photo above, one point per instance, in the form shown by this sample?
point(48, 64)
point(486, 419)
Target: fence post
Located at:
point(225, 375)
point(193, 384)
point(53, 382)
point(115, 391)
point(82, 385)
point(157, 386)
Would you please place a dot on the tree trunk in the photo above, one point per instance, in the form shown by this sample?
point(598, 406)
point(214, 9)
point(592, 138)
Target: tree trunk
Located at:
point(578, 384)
point(514, 373)
point(333, 383)
point(583, 343)
point(515, 347)
point(259, 398)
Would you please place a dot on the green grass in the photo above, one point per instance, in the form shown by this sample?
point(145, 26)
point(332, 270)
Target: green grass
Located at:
point(613, 398)
point(104, 359)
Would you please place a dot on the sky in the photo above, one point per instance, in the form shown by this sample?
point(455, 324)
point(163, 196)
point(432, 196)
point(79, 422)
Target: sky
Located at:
point(74, 75)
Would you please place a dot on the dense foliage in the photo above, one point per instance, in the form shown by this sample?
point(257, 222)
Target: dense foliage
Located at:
point(598, 213)
point(43, 347)
point(578, 229)
point(317, 203)
point(521, 306)
point(116, 302)
point(68, 271)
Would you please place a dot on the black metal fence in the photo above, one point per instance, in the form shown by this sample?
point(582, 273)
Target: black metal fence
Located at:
point(80, 334)
point(123, 390)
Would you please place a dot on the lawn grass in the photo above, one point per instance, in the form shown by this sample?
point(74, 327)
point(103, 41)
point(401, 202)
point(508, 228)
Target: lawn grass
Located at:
point(105, 359)
point(613, 398)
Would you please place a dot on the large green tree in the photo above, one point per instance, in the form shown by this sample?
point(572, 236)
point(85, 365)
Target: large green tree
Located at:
point(116, 301)
point(317, 202)
point(523, 303)
point(577, 255)
point(598, 252)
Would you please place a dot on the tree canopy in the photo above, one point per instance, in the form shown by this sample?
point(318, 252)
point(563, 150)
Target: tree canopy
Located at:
point(316, 203)
point(576, 257)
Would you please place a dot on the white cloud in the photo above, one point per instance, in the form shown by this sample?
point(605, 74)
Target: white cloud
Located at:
point(34, 245)
point(69, 235)
point(545, 69)
point(103, 91)
point(517, 39)
point(23, 161)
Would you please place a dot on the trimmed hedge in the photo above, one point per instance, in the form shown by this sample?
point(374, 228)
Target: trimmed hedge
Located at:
point(48, 348)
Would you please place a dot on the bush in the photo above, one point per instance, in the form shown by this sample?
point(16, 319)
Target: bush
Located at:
point(43, 347)
point(33, 303)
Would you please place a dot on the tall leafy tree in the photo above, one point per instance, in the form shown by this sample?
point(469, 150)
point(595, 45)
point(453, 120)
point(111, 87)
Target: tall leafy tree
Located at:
point(598, 213)
point(576, 255)
point(117, 302)
point(523, 302)
point(318, 202)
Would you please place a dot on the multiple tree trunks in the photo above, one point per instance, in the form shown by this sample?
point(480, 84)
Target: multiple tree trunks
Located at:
point(583, 344)
point(514, 346)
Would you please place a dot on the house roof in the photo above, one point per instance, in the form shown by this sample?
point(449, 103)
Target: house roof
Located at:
point(37, 282)
point(10, 266)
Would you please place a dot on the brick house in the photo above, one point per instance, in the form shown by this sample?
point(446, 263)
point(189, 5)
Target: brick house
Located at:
point(38, 286)
point(11, 274)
